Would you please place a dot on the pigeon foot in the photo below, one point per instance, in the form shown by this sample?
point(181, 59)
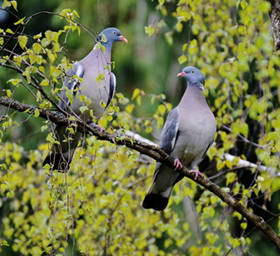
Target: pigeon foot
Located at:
point(177, 164)
point(197, 173)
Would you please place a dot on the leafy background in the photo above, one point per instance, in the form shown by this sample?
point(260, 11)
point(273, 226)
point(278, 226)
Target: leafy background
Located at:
point(95, 208)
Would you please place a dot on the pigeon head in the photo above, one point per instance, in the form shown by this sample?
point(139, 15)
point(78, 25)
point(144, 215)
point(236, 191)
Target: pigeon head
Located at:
point(110, 35)
point(193, 76)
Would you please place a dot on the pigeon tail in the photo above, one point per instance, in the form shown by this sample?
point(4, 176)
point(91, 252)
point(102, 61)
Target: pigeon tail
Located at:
point(155, 201)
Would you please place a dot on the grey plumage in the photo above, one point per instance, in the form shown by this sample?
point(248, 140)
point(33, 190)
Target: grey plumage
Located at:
point(98, 85)
point(187, 134)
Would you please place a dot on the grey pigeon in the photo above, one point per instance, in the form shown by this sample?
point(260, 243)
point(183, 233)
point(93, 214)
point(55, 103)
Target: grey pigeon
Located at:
point(92, 78)
point(187, 134)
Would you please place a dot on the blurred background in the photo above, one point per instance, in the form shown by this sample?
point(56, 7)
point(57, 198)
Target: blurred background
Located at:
point(231, 42)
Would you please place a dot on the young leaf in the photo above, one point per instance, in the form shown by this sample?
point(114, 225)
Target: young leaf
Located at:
point(22, 41)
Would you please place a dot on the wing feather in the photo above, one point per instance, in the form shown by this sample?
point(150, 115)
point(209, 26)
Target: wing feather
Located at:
point(71, 83)
point(170, 131)
point(112, 88)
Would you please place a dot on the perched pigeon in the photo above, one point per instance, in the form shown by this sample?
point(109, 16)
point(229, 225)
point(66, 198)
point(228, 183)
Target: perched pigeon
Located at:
point(89, 78)
point(187, 134)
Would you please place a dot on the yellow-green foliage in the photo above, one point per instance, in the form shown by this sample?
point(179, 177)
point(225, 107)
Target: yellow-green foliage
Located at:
point(95, 208)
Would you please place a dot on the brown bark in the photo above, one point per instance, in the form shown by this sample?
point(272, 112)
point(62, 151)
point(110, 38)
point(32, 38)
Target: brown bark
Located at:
point(157, 154)
point(275, 21)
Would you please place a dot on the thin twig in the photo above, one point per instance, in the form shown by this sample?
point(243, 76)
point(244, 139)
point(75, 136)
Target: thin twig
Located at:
point(244, 138)
point(222, 173)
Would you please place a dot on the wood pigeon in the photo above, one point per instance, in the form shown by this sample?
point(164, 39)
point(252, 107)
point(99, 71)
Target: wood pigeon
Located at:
point(187, 134)
point(89, 80)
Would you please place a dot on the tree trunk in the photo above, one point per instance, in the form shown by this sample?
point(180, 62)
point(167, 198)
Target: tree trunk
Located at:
point(275, 22)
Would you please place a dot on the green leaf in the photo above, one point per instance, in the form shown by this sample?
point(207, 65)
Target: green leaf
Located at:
point(244, 129)
point(54, 71)
point(149, 30)
point(8, 30)
point(83, 109)
point(6, 4)
point(20, 21)
point(161, 109)
point(37, 48)
point(9, 93)
point(52, 36)
point(36, 112)
point(14, 81)
point(243, 225)
point(182, 59)
point(14, 4)
point(22, 41)
point(230, 178)
point(100, 77)
point(3, 243)
point(44, 82)
point(136, 93)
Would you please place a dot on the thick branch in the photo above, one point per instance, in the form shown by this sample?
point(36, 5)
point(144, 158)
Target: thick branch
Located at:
point(240, 163)
point(154, 152)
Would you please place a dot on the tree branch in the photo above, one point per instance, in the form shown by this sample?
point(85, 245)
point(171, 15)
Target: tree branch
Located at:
point(240, 163)
point(275, 22)
point(244, 138)
point(154, 152)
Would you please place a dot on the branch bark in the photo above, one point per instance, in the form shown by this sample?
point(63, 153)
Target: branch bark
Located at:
point(154, 152)
point(275, 22)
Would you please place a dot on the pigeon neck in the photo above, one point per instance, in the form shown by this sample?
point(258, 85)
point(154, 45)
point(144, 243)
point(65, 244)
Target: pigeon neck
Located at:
point(196, 84)
point(193, 93)
point(108, 46)
point(104, 51)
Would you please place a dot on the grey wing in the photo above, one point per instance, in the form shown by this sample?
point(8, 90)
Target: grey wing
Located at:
point(170, 131)
point(164, 177)
point(71, 83)
point(112, 88)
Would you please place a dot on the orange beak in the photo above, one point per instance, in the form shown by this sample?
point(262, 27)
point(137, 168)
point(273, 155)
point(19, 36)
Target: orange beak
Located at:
point(123, 39)
point(181, 74)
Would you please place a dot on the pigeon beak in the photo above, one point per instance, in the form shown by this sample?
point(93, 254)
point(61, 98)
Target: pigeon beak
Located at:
point(123, 39)
point(181, 74)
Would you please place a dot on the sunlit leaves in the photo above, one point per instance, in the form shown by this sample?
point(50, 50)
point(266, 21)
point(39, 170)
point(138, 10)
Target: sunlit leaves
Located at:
point(149, 30)
point(100, 77)
point(97, 203)
point(169, 38)
point(240, 127)
point(69, 14)
point(54, 71)
point(51, 36)
point(22, 41)
point(14, 81)
point(37, 48)
point(20, 21)
point(154, 28)
point(44, 82)
point(182, 59)
point(8, 3)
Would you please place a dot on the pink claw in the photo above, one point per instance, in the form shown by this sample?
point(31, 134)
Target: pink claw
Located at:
point(177, 164)
point(197, 173)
